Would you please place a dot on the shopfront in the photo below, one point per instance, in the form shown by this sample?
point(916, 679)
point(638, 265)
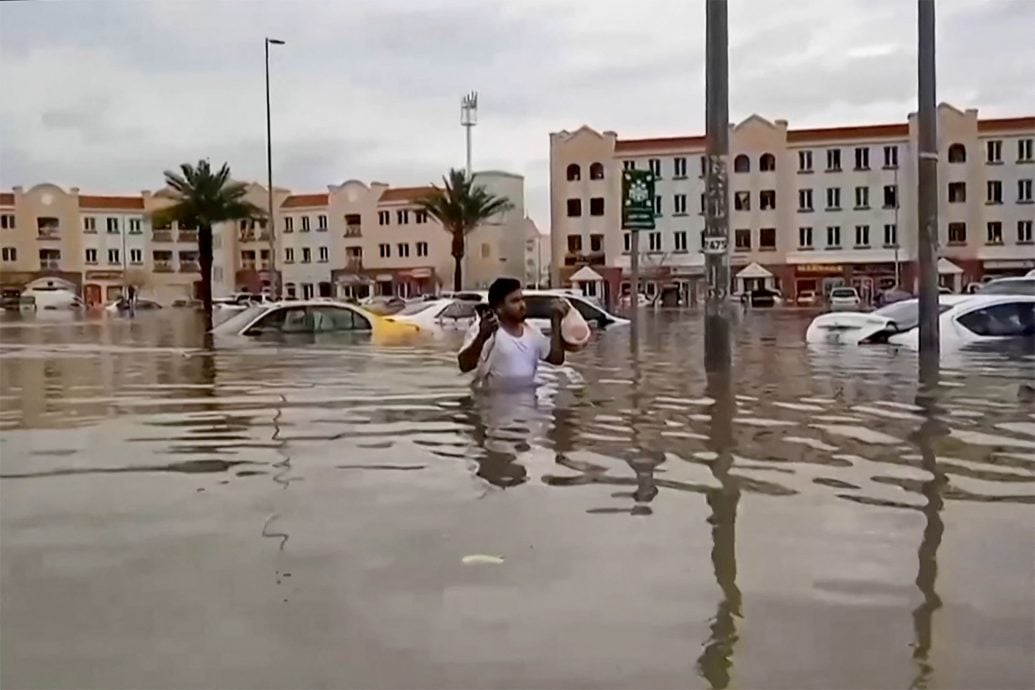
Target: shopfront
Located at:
point(1007, 267)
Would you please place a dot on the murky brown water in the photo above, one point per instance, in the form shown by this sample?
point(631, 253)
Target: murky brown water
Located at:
point(295, 516)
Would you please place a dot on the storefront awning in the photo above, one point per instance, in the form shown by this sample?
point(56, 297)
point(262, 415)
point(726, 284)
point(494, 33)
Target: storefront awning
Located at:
point(353, 279)
point(946, 267)
point(586, 275)
point(754, 271)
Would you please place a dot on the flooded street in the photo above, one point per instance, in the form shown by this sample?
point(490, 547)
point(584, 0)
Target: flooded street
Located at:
point(297, 515)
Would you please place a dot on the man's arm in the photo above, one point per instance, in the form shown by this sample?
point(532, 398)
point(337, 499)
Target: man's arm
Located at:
point(557, 349)
point(471, 352)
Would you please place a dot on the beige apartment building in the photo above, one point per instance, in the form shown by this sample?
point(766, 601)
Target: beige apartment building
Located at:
point(353, 240)
point(809, 208)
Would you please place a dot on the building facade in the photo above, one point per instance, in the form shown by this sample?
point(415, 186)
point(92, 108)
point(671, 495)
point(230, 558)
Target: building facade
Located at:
point(809, 208)
point(354, 240)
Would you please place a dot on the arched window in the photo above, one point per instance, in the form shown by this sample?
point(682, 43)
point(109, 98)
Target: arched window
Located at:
point(767, 163)
point(596, 171)
point(957, 153)
point(742, 164)
point(574, 172)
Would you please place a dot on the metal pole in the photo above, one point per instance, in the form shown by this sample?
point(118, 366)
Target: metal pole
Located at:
point(898, 270)
point(125, 260)
point(271, 222)
point(927, 205)
point(716, 249)
point(470, 172)
point(634, 275)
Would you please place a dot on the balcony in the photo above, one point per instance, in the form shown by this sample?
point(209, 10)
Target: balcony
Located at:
point(189, 267)
point(248, 265)
point(353, 231)
point(162, 235)
point(190, 236)
point(163, 266)
point(48, 234)
point(354, 264)
point(246, 236)
point(50, 264)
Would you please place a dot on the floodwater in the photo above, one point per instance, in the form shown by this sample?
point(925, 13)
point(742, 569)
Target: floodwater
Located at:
point(298, 515)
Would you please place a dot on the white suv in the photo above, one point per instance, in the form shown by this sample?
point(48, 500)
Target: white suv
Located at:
point(844, 298)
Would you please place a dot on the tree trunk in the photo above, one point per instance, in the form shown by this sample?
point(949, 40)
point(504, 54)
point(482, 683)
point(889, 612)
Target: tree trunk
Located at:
point(458, 257)
point(205, 263)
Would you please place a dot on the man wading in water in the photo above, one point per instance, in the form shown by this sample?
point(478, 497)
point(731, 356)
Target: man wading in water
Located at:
point(505, 349)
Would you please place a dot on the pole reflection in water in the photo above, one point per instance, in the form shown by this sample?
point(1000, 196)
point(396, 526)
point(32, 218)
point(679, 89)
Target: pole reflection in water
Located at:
point(927, 555)
point(716, 660)
point(644, 460)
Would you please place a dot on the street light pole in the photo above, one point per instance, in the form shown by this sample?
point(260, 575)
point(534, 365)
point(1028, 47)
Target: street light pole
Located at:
point(716, 234)
point(898, 270)
point(271, 222)
point(927, 195)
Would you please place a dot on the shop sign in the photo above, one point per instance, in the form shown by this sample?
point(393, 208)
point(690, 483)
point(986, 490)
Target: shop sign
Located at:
point(820, 268)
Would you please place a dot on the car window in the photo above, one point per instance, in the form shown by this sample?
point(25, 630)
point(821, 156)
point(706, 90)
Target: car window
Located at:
point(588, 311)
point(331, 319)
point(288, 320)
point(1000, 320)
point(460, 309)
point(239, 320)
point(842, 292)
point(906, 313)
point(415, 308)
point(538, 306)
point(1008, 287)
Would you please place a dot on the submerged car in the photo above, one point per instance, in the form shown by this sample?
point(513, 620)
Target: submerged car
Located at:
point(963, 320)
point(1009, 286)
point(844, 298)
point(138, 304)
point(311, 317)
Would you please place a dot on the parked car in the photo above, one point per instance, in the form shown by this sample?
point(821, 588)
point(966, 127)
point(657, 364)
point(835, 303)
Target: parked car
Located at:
point(385, 305)
point(844, 298)
point(806, 298)
point(457, 314)
point(1009, 286)
point(277, 320)
point(963, 320)
point(762, 297)
point(138, 304)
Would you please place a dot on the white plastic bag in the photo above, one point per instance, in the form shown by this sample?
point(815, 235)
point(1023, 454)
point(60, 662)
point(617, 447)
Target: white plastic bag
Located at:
point(575, 331)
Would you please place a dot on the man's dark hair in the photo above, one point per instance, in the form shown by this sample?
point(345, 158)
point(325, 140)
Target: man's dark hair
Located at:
point(500, 288)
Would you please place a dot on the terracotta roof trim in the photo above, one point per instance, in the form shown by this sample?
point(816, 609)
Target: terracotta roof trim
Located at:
point(6, 198)
point(404, 194)
point(305, 201)
point(111, 203)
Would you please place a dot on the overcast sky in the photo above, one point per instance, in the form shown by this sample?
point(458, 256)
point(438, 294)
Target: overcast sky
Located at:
point(105, 94)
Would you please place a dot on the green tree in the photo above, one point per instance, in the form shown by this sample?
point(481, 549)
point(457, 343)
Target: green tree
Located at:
point(202, 198)
point(460, 206)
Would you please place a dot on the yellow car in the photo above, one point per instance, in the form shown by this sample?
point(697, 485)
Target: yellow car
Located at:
point(312, 317)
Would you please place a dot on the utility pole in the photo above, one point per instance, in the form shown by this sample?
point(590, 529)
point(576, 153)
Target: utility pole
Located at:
point(716, 233)
point(927, 195)
point(271, 224)
point(468, 120)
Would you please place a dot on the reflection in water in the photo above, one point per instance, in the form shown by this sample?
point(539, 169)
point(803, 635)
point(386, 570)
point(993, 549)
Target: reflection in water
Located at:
point(139, 443)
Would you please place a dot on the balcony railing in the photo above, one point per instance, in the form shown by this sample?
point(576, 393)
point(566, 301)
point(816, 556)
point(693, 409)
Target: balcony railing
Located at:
point(164, 235)
point(353, 231)
point(189, 267)
point(163, 266)
point(187, 236)
point(353, 264)
point(248, 265)
point(50, 264)
point(48, 234)
point(246, 236)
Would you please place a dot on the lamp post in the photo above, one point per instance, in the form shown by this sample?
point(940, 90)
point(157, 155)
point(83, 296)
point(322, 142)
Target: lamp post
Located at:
point(468, 120)
point(271, 224)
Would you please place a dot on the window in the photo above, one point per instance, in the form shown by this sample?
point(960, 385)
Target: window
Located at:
point(679, 168)
point(862, 158)
point(994, 232)
point(134, 226)
point(321, 223)
point(957, 233)
point(741, 164)
point(574, 208)
point(957, 153)
point(384, 251)
point(422, 249)
point(1024, 149)
point(113, 256)
point(804, 199)
point(804, 161)
point(89, 224)
point(402, 216)
point(862, 197)
point(679, 204)
point(655, 166)
point(704, 166)
point(384, 217)
point(1012, 319)
point(1024, 232)
point(890, 196)
point(596, 171)
point(657, 204)
point(323, 255)
point(805, 238)
point(767, 162)
point(833, 237)
point(329, 319)
point(596, 206)
point(890, 156)
point(680, 240)
point(289, 255)
point(91, 256)
point(957, 192)
point(596, 244)
point(136, 256)
point(742, 201)
point(833, 160)
point(862, 235)
point(890, 235)
point(742, 239)
point(289, 224)
point(833, 198)
point(654, 241)
point(573, 173)
point(628, 165)
point(112, 225)
point(994, 192)
point(1024, 191)
point(7, 221)
point(703, 204)
point(767, 239)
point(9, 254)
point(307, 255)
point(305, 224)
point(404, 250)
point(626, 242)
point(767, 199)
point(420, 217)
point(994, 151)
point(574, 244)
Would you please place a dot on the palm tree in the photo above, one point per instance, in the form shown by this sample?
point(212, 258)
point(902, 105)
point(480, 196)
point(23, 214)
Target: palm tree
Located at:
point(203, 198)
point(460, 206)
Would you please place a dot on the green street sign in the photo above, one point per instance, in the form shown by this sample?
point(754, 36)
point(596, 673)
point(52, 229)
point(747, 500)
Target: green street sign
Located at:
point(637, 200)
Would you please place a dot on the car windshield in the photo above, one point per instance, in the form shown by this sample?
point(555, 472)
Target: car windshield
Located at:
point(842, 292)
point(1020, 286)
point(415, 308)
point(906, 314)
point(240, 319)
